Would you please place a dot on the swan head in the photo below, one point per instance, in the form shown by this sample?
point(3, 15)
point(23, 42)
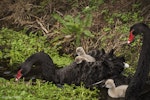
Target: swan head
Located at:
point(136, 29)
point(22, 71)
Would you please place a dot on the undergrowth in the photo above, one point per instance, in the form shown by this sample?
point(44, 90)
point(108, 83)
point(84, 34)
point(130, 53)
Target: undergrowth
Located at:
point(11, 90)
point(17, 46)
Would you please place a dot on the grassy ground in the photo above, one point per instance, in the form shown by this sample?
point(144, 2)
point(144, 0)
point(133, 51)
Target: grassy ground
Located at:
point(11, 90)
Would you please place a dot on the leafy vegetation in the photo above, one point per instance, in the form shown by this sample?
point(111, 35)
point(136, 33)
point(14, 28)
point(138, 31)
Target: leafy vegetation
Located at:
point(77, 26)
point(47, 91)
point(17, 46)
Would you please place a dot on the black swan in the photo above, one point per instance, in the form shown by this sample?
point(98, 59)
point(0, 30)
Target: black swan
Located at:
point(86, 72)
point(141, 75)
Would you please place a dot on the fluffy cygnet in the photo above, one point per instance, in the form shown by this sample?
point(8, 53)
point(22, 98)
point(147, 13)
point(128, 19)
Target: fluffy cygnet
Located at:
point(80, 52)
point(79, 59)
point(113, 91)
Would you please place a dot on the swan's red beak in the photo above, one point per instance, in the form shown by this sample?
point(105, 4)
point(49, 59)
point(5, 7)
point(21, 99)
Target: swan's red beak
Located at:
point(19, 75)
point(131, 37)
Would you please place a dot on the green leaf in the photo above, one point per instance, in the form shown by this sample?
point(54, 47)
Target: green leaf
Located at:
point(60, 19)
point(88, 20)
point(88, 33)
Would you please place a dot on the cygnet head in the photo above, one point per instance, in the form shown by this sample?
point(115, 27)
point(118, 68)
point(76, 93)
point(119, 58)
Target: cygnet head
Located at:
point(110, 83)
point(80, 51)
point(79, 59)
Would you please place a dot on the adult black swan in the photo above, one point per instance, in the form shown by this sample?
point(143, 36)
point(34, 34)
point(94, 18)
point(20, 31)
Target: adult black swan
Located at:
point(143, 67)
point(86, 72)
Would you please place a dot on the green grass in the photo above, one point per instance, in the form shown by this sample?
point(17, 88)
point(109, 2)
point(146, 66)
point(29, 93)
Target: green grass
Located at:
point(17, 46)
point(43, 91)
